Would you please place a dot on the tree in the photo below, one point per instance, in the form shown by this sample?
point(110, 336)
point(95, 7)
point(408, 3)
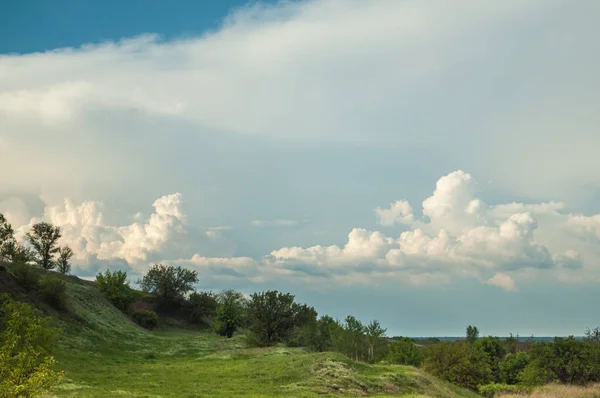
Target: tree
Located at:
point(64, 255)
point(472, 334)
point(374, 333)
point(459, 364)
point(272, 316)
point(512, 365)
point(44, 237)
point(201, 307)
point(7, 238)
point(169, 283)
point(115, 287)
point(354, 333)
point(494, 352)
point(405, 352)
point(26, 338)
point(230, 312)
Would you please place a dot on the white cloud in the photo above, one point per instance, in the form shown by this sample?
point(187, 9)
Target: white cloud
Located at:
point(400, 212)
point(503, 281)
point(84, 230)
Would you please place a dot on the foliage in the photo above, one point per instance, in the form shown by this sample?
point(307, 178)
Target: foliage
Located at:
point(271, 316)
point(169, 283)
point(26, 276)
point(114, 286)
point(512, 365)
point(145, 318)
point(64, 256)
point(495, 389)
point(459, 364)
point(26, 339)
point(7, 238)
point(374, 332)
point(494, 352)
point(201, 307)
point(53, 291)
point(567, 360)
point(405, 352)
point(43, 238)
point(230, 312)
point(472, 334)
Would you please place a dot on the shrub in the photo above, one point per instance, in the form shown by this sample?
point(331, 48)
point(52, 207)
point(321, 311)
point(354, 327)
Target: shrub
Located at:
point(512, 365)
point(25, 362)
point(458, 364)
point(27, 277)
point(494, 389)
point(170, 284)
point(405, 352)
point(201, 307)
point(272, 316)
point(53, 291)
point(114, 286)
point(494, 352)
point(146, 319)
point(230, 313)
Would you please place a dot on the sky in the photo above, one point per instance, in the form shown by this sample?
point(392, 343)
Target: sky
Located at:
point(426, 164)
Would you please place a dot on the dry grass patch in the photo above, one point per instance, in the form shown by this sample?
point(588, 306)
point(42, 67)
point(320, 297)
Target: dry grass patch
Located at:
point(561, 391)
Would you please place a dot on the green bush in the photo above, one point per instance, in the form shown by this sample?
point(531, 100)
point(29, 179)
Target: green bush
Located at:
point(27, 276)
point(459, 364)
point(201, 307)
point(493, 389)
point(145, 318)
point(26, 338)
point(230, 313)
point(53, 291)
point(114, 286)
point(405, 352)
point(512, 365)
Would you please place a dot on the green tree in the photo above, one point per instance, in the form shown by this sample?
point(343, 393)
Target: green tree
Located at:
point(7, 238)
point(64, 256)
point(272, 316)
point(201, 307)
point(459, 364)
point(26, 338)
point(230, 312)
point(512, 365)
point(354, 335)
point(169, 283)
point(43, 238)
point(115, 287)
point(494, 352)
point(405, 352)
point(374, 333)
point(472, 334)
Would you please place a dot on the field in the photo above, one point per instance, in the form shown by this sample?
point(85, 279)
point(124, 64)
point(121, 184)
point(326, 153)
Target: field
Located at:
point(104, 354)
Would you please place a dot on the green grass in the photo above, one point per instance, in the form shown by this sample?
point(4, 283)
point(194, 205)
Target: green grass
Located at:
point(104, 354)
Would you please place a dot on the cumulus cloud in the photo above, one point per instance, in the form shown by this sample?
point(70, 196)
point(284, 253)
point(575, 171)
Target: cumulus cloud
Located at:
point(503, 281)
point(400, 212)
point(459, 236)
point(84, 230)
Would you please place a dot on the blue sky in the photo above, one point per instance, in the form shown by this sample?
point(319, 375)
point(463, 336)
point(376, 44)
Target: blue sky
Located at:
point(427, 165)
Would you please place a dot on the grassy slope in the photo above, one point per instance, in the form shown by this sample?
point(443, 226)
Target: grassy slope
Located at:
point(105, 355)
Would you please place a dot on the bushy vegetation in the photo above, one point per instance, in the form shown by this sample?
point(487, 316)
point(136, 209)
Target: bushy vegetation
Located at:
point(26, 338)
point(201, 307)
point(405, 352)
point(115, 287)
point(169, 284)
point(231, 312)
point(145, 318)
point(53, 291)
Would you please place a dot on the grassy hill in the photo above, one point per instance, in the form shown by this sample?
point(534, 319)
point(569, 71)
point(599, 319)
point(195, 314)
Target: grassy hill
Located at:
point(104, 354)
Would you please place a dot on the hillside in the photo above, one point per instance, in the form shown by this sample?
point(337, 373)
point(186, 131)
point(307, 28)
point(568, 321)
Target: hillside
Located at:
point(104, 354)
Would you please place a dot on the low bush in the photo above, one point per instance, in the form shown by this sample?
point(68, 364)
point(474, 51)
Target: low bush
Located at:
point(495, 389)
point(512, 365)
point(146, 319)
point(53, 291)
point(27, 276)
point(405, 352)
point(114, 286)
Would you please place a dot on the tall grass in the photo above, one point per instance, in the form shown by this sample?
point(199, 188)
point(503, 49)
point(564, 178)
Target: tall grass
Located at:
point(561, 391)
